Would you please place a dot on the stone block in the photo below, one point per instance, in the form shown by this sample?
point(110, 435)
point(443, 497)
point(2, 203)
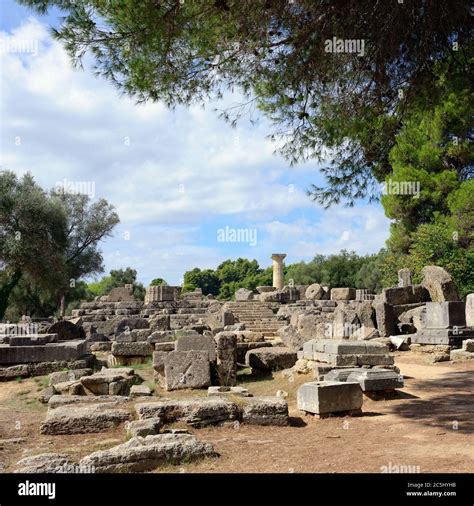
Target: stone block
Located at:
point(264, 411)
point(439, 283)
point(445, 314)
point(461, 355)
point(271, 359)
point(227, 391)
point(195, 412)
point(470, 310)
point(187, 369)
point(83, 419)
point(66, 330)
point(340, 374)
point(326, 397)
point(161, 336)
point(140, 391)
point(386, 322)
point(160, 323)
point(136, 349)
point(45, 463)
point(226, 358)
point(343, 293)
point(344, 347)
point(242, 294)
point(32, 339)
point(334, 359)
point(404, 277)
point(291, 338)
point(52, 352)
point(376, 379)
point(143, 428)
point(170, 346)
point(197, 342)
point(146, 454)
point(468, 345)
point(61, 376)
point(374, 360)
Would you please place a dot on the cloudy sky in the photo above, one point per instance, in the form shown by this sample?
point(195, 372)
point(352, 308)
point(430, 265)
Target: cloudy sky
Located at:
point(176, 178)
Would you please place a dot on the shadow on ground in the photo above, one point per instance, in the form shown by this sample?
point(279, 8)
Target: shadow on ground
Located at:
point(453, 408)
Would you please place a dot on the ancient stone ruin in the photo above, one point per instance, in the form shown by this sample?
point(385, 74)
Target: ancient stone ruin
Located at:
point(342, 337)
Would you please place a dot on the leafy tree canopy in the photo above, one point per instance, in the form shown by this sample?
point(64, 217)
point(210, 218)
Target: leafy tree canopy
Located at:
point(276, 53)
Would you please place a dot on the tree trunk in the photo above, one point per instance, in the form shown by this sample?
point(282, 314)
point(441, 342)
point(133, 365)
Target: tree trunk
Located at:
point(6, 290)
point(63, 306)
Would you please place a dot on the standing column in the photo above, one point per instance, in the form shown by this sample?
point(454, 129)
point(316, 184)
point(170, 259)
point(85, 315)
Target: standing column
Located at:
point(278, 279)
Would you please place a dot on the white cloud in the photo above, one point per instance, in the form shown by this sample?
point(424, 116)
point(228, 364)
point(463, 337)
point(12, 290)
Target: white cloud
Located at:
point(62, 123)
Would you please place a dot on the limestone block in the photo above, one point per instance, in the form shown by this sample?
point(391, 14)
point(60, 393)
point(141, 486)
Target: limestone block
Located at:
point(439, 283)
point(197, 342)
point(343, 293)
point(325, 397)
point(264, 411)
point(187, 369)
point(445, 314)
point(271, 359)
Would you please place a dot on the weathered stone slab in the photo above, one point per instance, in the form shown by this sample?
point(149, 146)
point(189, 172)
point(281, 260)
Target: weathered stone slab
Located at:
point(145, 454)
point(445, 314)
point(32, 339)
point(470, 310)
point(335, 359)
point(140, 391)
point(326, 397)
point(66, 331)
point(242, 294)
point(386, 322)
point(404, 277)
point(374, 360)
point(136, 349)
point(451, 337)
point(61, 376)
point(143, 428)
point(64, 351)
point(197, 342)
point(291, 338)
point(264, 411)
point(65, 400)
point(228, 391)
point(343, 293)
point(271, 359)
point(83, 419)
point(468, 345)
point(376, 379)
point(44, 463)
point(460, 355)
point(161, 336)
point(159, 323)
point(167, 347)
point(340, 374)
point(187, 369)
point(439, 283)
point(195, 412)
point(226, 358)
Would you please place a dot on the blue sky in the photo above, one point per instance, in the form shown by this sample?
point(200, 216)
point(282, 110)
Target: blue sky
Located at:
point(175, 177)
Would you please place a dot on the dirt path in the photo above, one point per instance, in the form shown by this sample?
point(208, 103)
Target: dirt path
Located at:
point(430, 428)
